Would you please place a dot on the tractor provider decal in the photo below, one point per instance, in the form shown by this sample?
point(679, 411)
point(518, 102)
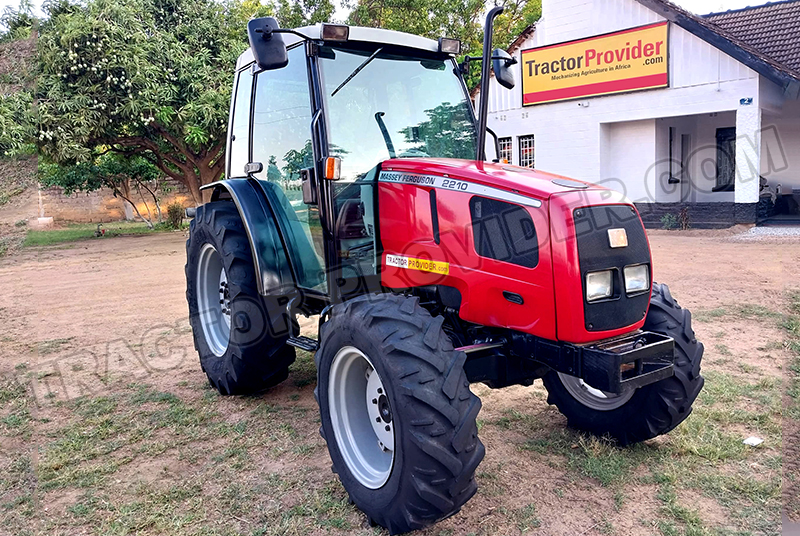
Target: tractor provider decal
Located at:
point(629, 60)
point(423, 265)
point(449, 183)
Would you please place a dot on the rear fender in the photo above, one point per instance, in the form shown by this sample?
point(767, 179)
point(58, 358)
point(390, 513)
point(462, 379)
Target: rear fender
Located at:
point(273, 271)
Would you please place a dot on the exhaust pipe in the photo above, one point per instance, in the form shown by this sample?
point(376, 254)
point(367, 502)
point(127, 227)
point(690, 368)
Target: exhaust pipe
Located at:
point(486, 64)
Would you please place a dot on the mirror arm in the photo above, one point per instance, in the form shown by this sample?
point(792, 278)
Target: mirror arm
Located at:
point(496, 145)
point(267, 35)
point(483, 109)
point(290, 31)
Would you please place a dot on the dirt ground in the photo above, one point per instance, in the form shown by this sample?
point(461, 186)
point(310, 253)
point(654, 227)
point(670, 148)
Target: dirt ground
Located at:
point(107, 424)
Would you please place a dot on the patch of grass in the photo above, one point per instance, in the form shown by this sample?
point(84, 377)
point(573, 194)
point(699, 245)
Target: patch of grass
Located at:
point(53, 345)
point(595, 457)
point(303, 371)
point(6, 197)
point(80, 453)
point(709, 314)
point(736, 311)
point(47, 237)
point(489, 483)
point(323, 508)
point(11, 390)
point(526, 518)
point(722, 349)
point(687, 517)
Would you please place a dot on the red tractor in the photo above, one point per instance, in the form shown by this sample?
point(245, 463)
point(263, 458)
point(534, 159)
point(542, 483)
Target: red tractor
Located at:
point(358, 190)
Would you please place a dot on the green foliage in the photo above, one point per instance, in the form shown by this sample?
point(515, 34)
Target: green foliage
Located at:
point(144, 77)
point(18, 23)
point(293, 14)
point(85, 231)
point(669, 221)
point(459, 19)
point(175, 215)
point(16, 123)
point(109, 170)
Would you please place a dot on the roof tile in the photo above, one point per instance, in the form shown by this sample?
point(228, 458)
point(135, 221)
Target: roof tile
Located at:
point(773, 29)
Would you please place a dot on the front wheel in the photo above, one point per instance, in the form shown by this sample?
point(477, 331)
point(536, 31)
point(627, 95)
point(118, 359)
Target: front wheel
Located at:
point(643, 413)
point(239, 335)
point(397, 412)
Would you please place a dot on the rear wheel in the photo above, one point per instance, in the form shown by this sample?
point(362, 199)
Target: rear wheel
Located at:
point(397, 412)
point(239, 335)
point(643, 413)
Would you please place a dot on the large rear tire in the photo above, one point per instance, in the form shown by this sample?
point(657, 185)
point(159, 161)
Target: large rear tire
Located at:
point(647, 412)
point(397, 412)
point(239, 335)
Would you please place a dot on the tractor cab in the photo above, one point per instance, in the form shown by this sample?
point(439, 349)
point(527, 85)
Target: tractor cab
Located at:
point(314, 127)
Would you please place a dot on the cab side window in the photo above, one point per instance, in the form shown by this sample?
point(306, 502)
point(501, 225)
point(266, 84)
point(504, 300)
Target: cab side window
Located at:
point(282, 124)
point(240, 127)
point(282, 144)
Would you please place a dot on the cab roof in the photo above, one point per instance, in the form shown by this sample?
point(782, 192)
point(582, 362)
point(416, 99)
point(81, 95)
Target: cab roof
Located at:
point(357, 33)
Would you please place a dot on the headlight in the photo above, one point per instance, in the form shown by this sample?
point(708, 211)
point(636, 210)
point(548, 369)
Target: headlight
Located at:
point(599, 285)
point(637, 278)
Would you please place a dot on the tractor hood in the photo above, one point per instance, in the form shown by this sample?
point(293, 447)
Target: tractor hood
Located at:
point(514, 179)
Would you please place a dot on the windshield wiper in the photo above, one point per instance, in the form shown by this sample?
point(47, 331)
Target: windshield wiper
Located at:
point(357, 70)
point(385, 132)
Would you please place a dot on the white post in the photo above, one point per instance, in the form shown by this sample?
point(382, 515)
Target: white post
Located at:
point(748, 161)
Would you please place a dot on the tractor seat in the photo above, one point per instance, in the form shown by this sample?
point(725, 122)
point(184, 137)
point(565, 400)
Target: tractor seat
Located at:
point(350, 221)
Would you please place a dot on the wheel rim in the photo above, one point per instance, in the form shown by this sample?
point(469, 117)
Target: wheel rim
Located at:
point(591, 397)
point(361, 417)
point(213, 300)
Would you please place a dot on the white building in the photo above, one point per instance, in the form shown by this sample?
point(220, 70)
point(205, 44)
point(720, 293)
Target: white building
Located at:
point(721, 135)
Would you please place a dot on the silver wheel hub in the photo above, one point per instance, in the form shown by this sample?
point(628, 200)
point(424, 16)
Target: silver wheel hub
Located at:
point(591, 397)
point(213, 300)
point(361, 417)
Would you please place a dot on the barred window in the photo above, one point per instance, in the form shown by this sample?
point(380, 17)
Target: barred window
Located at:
point(505, 149)
point(526, 151)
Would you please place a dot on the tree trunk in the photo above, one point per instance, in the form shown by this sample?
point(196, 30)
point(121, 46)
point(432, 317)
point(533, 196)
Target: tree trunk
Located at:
point(132, 204)
point(149, 213)
point(125, 193)
point(193, 183)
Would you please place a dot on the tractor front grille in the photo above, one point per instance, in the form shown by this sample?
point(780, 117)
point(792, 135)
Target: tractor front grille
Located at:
point(595, 253)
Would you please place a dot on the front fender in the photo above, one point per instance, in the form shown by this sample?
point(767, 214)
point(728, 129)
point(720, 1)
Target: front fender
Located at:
point(273, 271)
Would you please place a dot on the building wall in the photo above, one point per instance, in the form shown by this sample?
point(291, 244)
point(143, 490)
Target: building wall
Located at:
point(579, 138)
point(101, 206)
point(629, 150)
point(780, 146)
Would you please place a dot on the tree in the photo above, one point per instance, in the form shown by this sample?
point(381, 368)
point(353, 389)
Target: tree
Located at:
point(123, 175)
point(518, 15)
point(459, 19)
point(145, 78)
point(16, 123)
point(18, 23)
point(294, 14)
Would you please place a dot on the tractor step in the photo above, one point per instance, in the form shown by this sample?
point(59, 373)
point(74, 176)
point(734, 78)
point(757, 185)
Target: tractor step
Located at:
point(304, 343)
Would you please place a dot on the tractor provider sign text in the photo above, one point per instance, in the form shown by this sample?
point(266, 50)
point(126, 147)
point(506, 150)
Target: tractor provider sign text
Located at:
point(623, 61)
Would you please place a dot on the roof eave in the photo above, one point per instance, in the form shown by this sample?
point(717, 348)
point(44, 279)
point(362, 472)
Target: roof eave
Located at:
point(790, 84)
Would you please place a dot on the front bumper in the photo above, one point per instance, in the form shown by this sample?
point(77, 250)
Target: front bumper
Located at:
point(613, 365)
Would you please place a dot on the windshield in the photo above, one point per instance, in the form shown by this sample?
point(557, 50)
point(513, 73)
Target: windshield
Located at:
point(381, 105)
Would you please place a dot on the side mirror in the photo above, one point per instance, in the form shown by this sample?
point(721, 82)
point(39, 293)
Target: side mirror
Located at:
point(501, 63)
point(268, 47)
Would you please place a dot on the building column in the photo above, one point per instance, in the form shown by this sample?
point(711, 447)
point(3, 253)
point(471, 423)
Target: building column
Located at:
point(748, 162)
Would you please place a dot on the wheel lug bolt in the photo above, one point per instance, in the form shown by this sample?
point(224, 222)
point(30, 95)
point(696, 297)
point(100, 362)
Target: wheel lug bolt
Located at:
point(377, 419)
point(380, 390)
point(374, 400)
point(388, 428)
